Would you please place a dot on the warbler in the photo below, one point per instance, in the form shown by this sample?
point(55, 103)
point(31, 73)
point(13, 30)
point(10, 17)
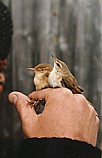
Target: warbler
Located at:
point(41, 73)
point(60, 76)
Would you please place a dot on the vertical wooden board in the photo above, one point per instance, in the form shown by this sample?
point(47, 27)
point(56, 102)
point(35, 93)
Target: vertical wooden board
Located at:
point(67, 32)
point(83, 41)
point(22, 44)
point(47, 31)
point(54, 29)
point(100, 79)
point(73, 18)
point(35, 25)
point(43, 32)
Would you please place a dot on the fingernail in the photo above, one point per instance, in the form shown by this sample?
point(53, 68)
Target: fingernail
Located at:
point(13, 98)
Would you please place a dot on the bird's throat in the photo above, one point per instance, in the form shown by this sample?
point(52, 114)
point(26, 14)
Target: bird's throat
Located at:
point(54, 79)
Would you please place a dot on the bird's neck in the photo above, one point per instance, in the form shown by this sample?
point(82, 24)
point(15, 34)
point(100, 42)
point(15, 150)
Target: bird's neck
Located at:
point(54, 72)
point(40, 80)
point(54, 78)
point(37, 78)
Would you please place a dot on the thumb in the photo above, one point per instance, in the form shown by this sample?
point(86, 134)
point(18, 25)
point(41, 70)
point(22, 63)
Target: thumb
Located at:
point(20, 101)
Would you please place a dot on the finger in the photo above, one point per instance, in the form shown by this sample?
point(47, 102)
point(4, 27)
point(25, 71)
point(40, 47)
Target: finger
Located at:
point(20, 102)
point(44, 94)
point(41, 94)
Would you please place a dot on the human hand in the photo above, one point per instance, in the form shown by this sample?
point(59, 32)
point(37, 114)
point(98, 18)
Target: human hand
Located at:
point(65, 115)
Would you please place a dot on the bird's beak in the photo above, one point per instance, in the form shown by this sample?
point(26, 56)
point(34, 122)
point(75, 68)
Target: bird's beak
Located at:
point(54, 58)
point(32, 69)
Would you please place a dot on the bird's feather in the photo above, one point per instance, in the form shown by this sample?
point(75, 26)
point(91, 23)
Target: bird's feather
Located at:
point(71, 83)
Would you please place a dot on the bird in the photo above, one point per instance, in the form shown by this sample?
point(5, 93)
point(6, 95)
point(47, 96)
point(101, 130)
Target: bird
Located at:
point(41, 73)
point(60, 76)
point(56, 76)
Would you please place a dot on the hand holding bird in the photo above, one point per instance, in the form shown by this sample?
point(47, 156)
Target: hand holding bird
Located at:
point(57, 76)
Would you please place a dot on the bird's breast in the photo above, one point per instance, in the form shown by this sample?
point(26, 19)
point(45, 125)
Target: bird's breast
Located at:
point(41, 82)
point(54, 79)
point(36, 80)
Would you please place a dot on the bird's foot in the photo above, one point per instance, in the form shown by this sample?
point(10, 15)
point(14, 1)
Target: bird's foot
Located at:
point(38, 105)
point(33, 103)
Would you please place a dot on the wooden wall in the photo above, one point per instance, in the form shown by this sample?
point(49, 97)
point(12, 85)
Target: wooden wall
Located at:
point(69, 29)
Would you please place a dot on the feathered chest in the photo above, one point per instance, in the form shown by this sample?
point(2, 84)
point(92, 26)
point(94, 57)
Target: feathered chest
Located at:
point(55, 79)
point(41, 81)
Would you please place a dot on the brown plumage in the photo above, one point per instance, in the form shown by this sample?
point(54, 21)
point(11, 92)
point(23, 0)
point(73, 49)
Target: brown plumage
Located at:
point(61, 76)
point(41, 73)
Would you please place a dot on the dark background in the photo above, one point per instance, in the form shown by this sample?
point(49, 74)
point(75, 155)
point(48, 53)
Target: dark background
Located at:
point(69, 29)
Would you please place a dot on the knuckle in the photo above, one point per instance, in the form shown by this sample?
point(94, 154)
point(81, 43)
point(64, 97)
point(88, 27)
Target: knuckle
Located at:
point(97, 121)
point(81, 102)
point(94, 114)
point(92, 109)
point(66, 91)
point(81, 98)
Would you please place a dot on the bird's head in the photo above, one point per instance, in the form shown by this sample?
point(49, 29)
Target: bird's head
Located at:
point(59, 65)
point(41, 69)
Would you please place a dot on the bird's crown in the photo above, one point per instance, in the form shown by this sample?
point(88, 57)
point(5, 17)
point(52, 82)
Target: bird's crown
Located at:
point(60, 64)
point(41, 67)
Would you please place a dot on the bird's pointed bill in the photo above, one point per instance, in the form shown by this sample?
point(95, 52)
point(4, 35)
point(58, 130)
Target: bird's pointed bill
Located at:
point(32, 69)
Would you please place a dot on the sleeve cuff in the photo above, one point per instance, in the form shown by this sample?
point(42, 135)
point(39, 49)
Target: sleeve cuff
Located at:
point(58, 148)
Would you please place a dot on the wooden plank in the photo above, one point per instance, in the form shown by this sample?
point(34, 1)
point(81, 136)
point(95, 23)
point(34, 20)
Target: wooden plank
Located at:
point(22, 45)
point(67, 33)
point(46, 25)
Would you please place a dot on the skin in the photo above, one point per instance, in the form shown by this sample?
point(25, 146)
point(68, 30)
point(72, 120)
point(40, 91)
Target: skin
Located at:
point(65, 115)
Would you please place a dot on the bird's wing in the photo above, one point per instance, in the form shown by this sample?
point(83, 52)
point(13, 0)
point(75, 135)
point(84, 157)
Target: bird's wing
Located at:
point(71, 83)
point(68, 81)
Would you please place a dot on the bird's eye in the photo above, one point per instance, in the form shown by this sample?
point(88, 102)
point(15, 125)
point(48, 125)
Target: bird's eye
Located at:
point(58, 64)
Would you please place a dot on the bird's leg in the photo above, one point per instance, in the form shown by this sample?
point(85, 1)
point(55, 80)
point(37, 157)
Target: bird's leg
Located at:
point(37, 105)
point(31, 102)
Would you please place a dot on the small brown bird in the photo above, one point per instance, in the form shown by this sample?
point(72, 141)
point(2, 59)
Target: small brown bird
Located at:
point(41, 73)
point(56, 77)
point(61, 76)
point(47, 76)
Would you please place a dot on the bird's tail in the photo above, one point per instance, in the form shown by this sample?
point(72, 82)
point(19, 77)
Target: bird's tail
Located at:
point(77, 90)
